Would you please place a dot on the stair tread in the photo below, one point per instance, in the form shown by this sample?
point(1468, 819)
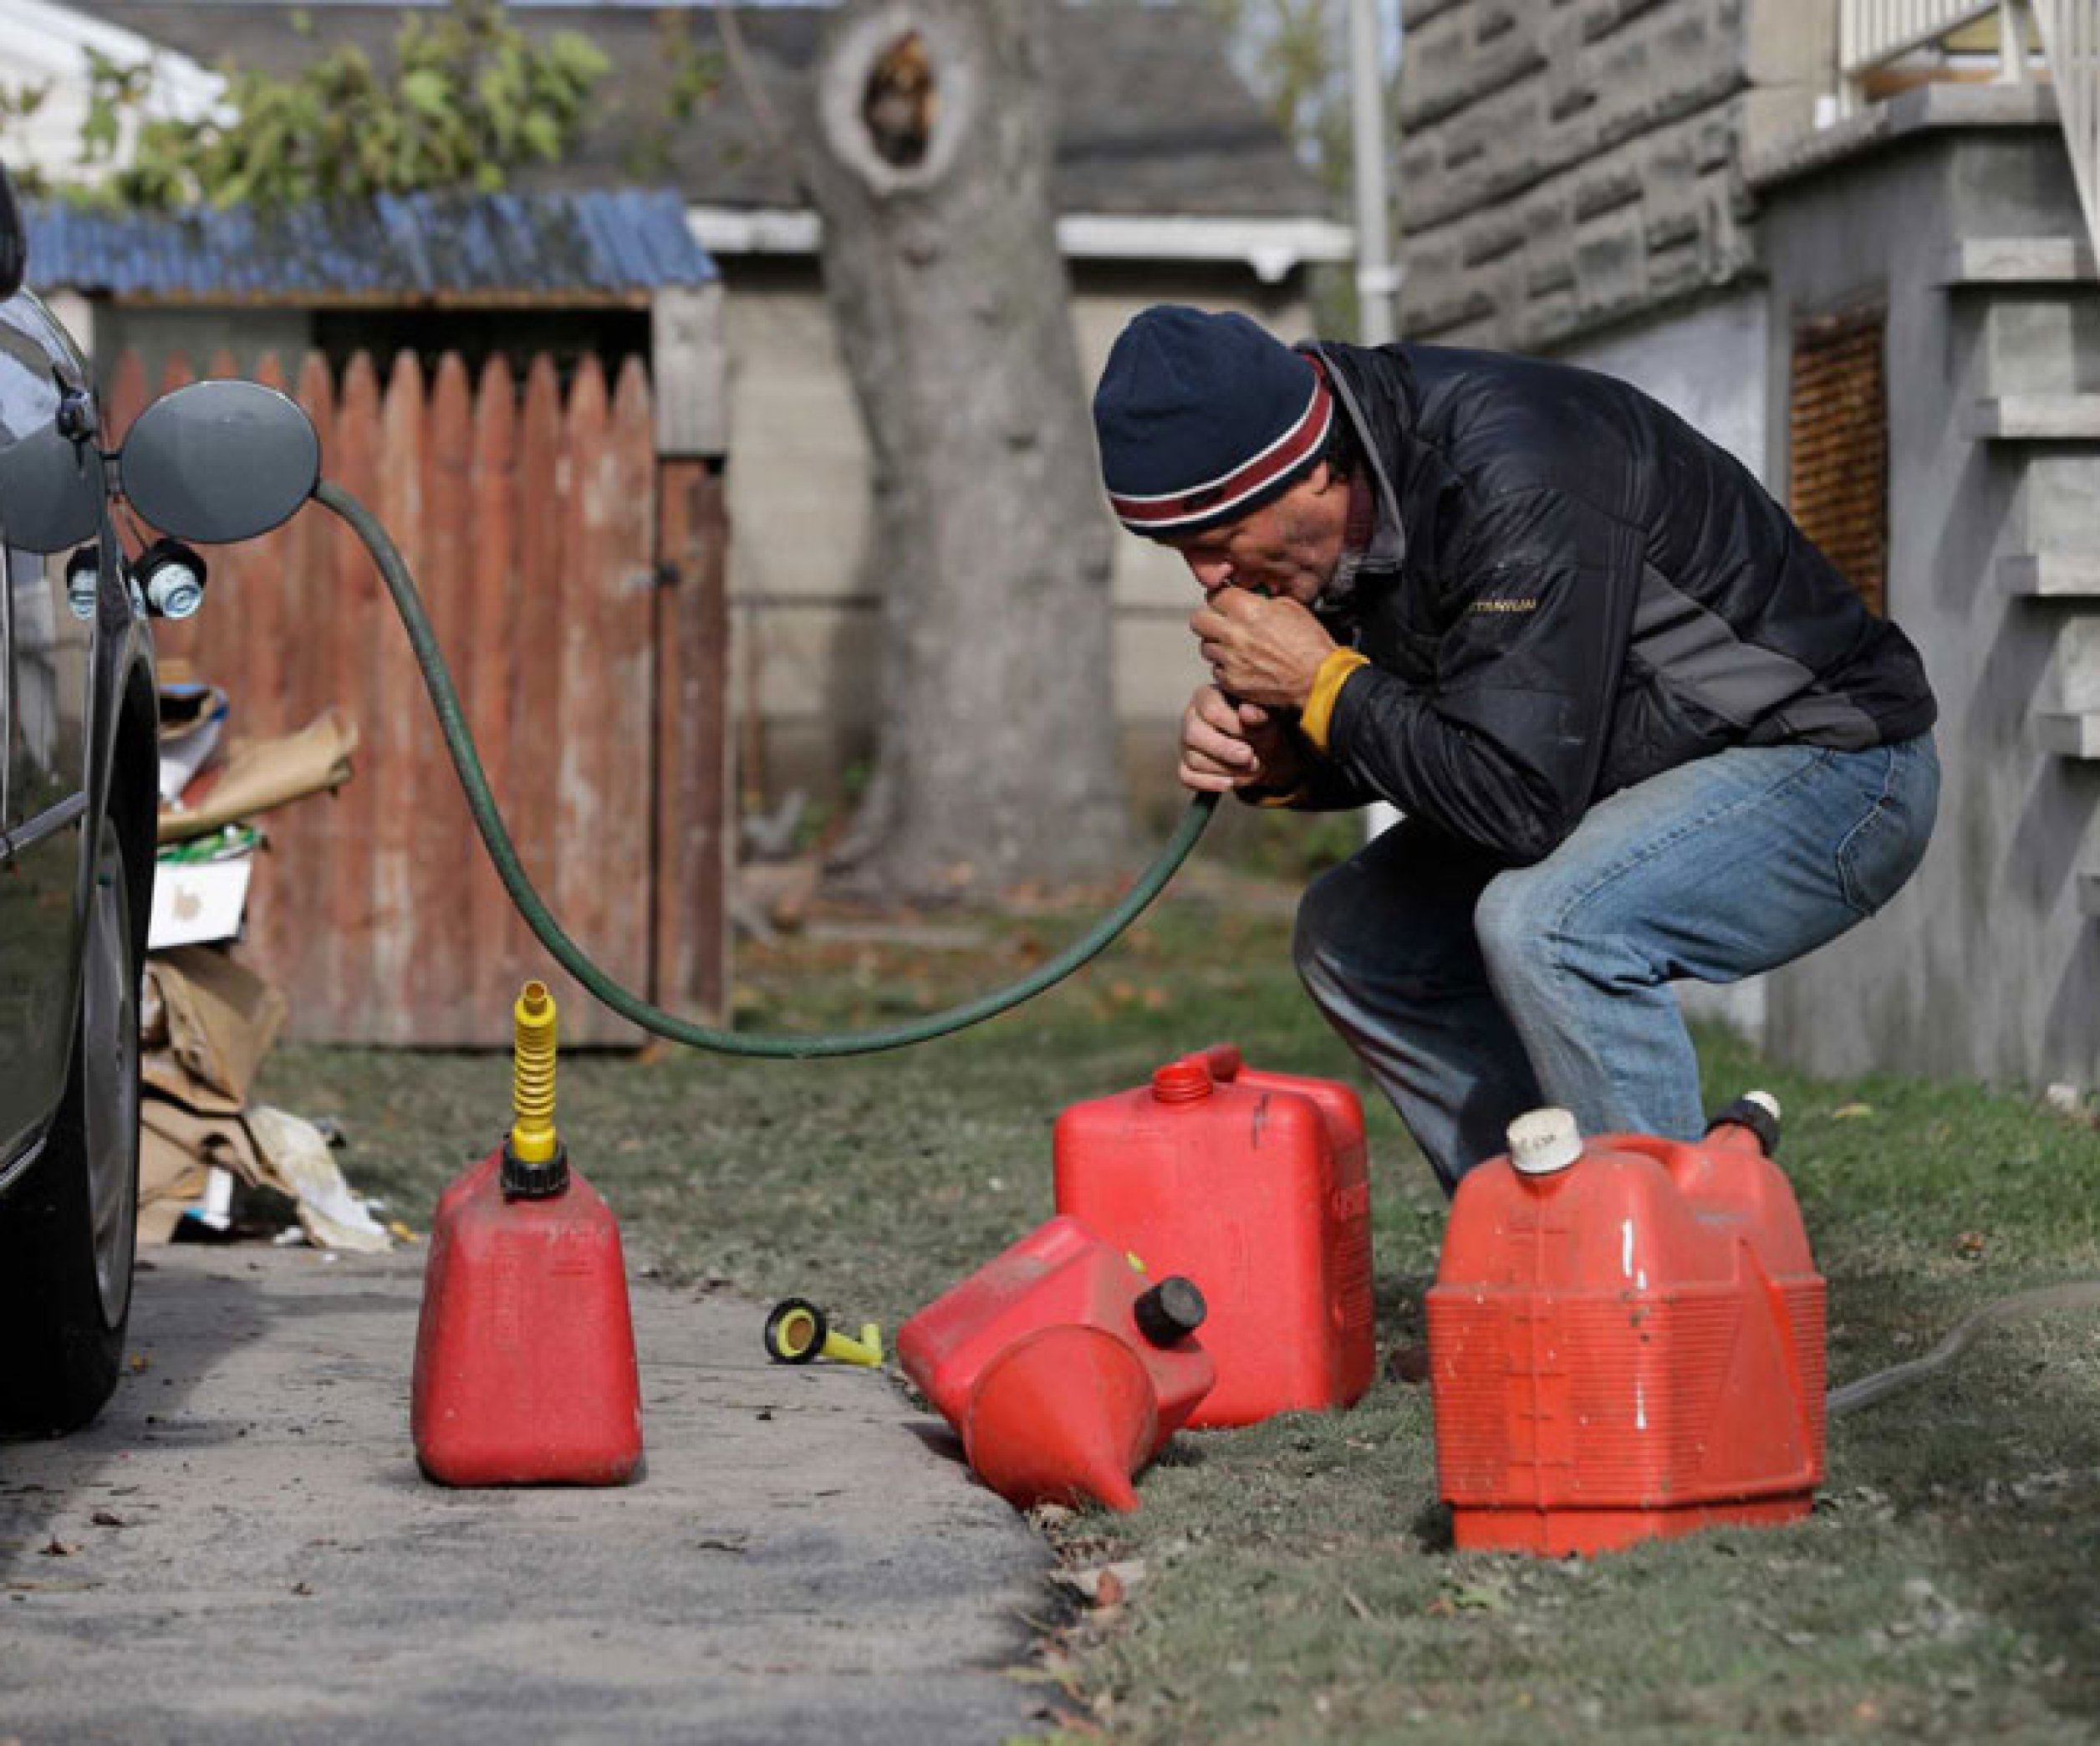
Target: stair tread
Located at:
point(2071, 733)
point(2036, 417)
point(2052, 573)
point(2020, 261)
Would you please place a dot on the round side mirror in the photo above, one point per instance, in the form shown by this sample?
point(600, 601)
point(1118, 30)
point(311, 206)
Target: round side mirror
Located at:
point(219, 461)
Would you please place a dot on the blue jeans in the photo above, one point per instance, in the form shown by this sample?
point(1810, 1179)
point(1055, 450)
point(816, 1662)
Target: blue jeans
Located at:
point(1474, 993)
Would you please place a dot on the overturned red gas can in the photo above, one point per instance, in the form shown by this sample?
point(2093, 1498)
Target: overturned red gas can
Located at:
point(1626, 1340)
point(1254, 1185)
point(1063, 1366)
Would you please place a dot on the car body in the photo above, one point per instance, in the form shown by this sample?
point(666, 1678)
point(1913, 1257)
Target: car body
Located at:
point(79, 782)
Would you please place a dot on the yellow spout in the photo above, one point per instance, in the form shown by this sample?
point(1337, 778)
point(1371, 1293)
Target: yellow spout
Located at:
point(532, 1137)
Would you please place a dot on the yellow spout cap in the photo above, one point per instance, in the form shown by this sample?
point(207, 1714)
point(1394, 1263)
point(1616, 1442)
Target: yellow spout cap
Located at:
point(533, 1140)
point(800, 1332)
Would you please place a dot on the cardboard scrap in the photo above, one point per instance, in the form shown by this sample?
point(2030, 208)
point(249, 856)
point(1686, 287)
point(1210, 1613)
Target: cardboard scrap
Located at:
point(178, 1150)
point(257, 775)
point(208, 1023)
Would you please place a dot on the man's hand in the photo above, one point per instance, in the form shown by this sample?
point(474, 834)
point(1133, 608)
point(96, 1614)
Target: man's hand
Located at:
point(1261, 650)
point(1225, 746)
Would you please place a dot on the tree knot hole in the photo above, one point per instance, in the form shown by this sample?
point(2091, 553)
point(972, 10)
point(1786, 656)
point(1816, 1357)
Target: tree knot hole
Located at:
point(901, 101)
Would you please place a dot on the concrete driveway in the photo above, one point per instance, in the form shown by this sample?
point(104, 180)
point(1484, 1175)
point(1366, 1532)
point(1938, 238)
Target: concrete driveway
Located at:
point(242, 1550)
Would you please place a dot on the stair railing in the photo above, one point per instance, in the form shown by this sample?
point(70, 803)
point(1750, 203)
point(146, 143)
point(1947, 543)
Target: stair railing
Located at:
point(1872, 34)
point(2070, 33)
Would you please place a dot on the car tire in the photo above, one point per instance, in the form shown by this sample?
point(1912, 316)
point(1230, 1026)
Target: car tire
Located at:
point(68, 1226)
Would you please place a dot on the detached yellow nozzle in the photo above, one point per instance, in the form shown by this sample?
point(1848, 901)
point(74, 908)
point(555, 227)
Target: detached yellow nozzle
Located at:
point(798, 1332)
point(533, 1140)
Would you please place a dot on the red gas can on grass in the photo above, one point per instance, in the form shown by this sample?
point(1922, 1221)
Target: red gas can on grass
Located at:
point(1254, 1185)
point(525, 1370)
point(1626, 1341)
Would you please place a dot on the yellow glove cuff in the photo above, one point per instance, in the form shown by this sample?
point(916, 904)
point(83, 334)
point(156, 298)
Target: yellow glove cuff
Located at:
point(1318, 712)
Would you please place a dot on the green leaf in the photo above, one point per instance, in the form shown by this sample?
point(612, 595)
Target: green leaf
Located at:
point(542, 134)
point(428, 91)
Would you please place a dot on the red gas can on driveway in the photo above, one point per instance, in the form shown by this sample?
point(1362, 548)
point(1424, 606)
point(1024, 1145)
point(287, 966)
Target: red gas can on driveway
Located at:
point(525, 1371)
point(1626, 1340)
point(1254, 1185)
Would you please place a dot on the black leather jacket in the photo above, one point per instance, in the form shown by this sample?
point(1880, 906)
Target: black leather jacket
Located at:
point(1569, 589)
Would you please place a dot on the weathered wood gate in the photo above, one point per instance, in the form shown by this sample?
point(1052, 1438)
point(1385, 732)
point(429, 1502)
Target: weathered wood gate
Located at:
point(576, 582)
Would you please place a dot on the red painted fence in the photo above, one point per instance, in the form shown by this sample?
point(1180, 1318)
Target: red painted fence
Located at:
point(576, 583)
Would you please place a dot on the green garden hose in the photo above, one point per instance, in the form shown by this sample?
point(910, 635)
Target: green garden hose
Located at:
point(451, 720)
point(2076, 1294)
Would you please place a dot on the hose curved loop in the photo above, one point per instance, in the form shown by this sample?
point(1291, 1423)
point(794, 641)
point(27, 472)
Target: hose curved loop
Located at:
point(503, 852)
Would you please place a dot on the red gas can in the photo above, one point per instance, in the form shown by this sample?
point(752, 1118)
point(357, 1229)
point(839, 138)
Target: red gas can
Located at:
point(1254, 1185)
point(1626, 1340)
point(1063, 1366)
point(525, 1369)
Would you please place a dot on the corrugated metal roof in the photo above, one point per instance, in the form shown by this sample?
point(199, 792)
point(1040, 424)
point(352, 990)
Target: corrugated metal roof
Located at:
point(542, 247)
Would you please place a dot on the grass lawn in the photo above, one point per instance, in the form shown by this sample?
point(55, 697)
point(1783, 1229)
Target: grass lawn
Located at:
point(1296, 1579)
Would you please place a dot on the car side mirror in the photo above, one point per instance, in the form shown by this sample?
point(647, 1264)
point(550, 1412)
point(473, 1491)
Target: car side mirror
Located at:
point(219, 461)
point(14, 239)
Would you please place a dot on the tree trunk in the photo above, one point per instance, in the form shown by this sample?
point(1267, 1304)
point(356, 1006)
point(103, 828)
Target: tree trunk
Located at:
point(989, 541)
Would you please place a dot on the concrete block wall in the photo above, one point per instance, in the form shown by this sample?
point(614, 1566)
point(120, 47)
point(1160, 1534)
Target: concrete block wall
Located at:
point(1569, 165)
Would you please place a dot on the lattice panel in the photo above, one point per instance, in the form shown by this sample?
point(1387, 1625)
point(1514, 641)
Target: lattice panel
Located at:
point(1837, 429)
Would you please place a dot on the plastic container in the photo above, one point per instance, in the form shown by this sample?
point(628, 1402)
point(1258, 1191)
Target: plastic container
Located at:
point(525, 1370)
point(1626, 1341)
point(1254, 1185)
point(1063, 1364)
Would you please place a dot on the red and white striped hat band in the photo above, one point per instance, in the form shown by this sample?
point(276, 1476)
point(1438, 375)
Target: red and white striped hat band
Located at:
point(1231, 493)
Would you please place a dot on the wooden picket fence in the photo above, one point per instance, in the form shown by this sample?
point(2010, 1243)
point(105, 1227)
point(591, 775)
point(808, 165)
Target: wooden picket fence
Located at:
point(576, 582)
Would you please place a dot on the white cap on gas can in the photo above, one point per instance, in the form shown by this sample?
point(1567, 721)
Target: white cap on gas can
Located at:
point(1543, 1142)
point(1764, 1100)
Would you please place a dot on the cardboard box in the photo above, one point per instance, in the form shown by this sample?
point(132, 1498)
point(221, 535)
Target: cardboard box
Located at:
point(196, 902)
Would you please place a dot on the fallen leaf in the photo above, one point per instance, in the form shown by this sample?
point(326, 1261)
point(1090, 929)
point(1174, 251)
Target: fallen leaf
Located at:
point(1969, 1245)
point(57, 1548)
point(1851, 1111)
point(1480, 1597)
point(108, 1519)
point(1104, 1584)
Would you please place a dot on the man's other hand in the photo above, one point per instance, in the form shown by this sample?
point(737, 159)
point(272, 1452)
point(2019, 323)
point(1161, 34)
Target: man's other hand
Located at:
point(1261, 650)
point(1225, 746)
